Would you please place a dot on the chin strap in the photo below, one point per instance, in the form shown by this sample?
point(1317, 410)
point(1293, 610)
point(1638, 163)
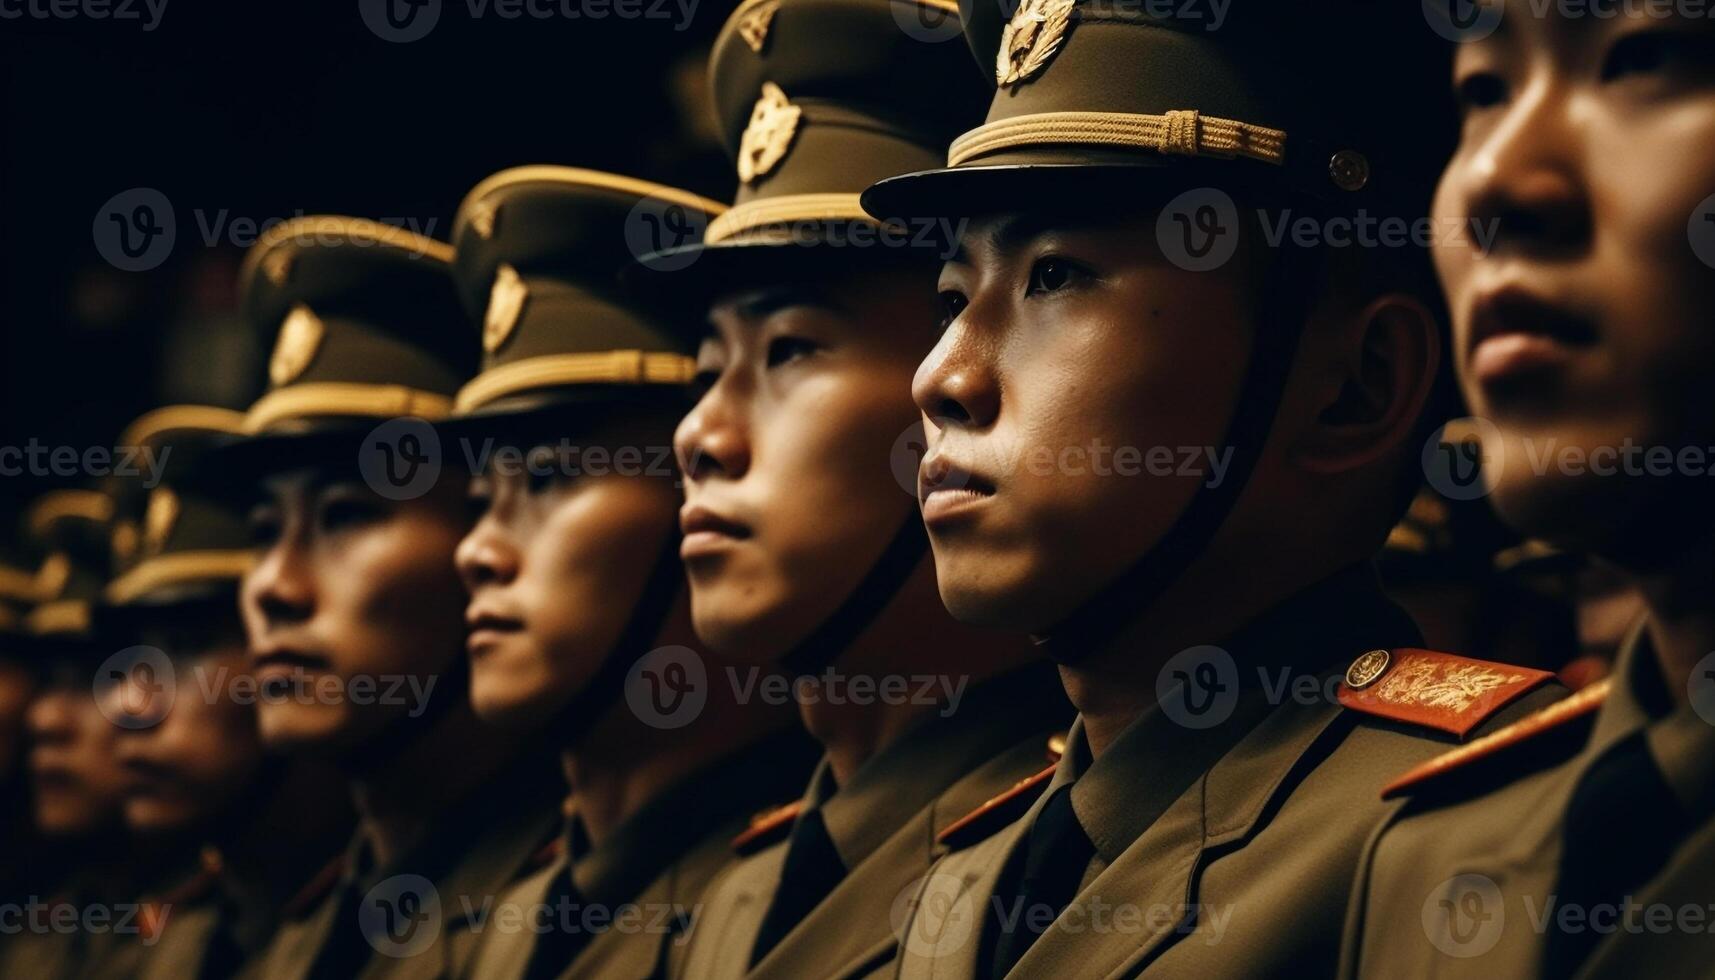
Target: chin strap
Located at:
point(607, 687)
point(878, 588)
point(1285, 302)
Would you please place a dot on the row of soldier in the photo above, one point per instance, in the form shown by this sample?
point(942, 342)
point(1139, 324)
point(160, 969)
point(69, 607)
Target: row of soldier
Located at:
point(792, 535)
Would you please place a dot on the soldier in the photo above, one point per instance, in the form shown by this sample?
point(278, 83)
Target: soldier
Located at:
point(84, 921)
point(579, 613)
point(353, 609)
point(253, 826)
point(1163, 277)
point(1578, 842)
point(18, 593)
point(803, 546)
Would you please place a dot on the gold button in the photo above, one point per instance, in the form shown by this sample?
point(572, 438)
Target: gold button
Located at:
point(1367, 669)
point(1350, 170)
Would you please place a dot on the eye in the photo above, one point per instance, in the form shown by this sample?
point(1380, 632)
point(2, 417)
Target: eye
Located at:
point(344, 511)
point(953, 303)
point(479, 496)
point(264, 526)
point(1052, 273)
point(1637, 54)
point(1479, 91)
point(543, 471)
point(784, 350)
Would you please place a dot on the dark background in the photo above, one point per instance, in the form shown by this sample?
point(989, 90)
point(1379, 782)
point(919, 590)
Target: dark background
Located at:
point(263, 112)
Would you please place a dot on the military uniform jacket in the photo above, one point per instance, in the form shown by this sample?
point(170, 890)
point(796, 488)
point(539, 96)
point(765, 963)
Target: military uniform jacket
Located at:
point(638, 891)
point(1463, 881)
point(884, 823)
point(1224, 846)
point(208, 926)
point(415, 918)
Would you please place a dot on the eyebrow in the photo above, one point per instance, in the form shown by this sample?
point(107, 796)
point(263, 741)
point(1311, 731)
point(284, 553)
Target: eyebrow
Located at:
point(759, 304)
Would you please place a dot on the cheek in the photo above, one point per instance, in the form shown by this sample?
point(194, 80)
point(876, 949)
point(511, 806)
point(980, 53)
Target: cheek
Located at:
point(398, 599)
point(590, 559)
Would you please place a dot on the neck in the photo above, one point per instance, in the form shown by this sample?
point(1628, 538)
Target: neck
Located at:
point(400, 799)
point(299, 825)
point(1681, 615)
point(912, 661)
point(622, 763)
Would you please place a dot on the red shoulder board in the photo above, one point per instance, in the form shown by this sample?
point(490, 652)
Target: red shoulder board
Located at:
point(1436, 690)
point(1553, 719)
point(153, 913)
point(767, 828)
point(314, 890)
point(996, 812)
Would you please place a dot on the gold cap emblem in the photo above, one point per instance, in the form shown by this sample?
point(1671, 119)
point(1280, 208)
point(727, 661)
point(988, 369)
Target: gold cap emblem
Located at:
point(482, 216)
point(753, 22)
point(277, 266)
point(773, 121)
point(1030, 38)
point(300, 337)
point(1367, 669)
point(159, 518)
point(125, 541)
point(505, 303)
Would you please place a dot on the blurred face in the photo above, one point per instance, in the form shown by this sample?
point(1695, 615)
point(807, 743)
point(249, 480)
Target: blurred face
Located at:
point(353, 610)
point(16, 684)
point(189, 768)
point(555, 566)
point(790, 492)
point(1069, 354)
point(76, 777)
point(1584, 328)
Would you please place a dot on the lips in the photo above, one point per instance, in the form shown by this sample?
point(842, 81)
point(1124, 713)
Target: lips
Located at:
point(707, 531)
point(278, 661)
point(945, 489)
point(487, 628)
point(1516, 333)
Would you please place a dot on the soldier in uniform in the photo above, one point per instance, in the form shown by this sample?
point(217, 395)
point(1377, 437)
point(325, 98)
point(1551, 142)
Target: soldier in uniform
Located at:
point(1172, 421)
point(353, 609)
point(18, 593)
point(579, 614)
point(802, 543)
point(83, 923)
point(252, 826)
point(1578, 842)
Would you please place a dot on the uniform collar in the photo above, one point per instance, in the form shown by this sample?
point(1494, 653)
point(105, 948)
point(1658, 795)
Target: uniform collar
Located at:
point(1681, 741)
point(674, 821)
point(932, 755)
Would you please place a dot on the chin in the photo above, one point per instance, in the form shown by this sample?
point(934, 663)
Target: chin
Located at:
point(57, 817)
point(318, 729)
point(988, 590)
point(743, 624)
point(508, 703)
point(154, 818)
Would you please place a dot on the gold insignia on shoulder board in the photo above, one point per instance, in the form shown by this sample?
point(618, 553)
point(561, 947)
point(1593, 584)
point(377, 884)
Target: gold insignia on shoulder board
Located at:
point(300, 337)
point(773, 121)
point(505, 304)
point(1030, 38)
point(482, 217)
point(753, 23)
point(1452, 688)
point(1367, 669)
point(159, 518)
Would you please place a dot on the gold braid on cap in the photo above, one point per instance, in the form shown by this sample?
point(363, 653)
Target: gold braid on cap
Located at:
point(178, 568)
point(338, 398)
point(634, 367)
point(769, 212)
point(1182, 132)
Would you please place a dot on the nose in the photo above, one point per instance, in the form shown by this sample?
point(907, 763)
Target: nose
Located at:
point(278, 590)
point(955, 385)
point(487, 555)
point(1522, 183)
point(713, 438)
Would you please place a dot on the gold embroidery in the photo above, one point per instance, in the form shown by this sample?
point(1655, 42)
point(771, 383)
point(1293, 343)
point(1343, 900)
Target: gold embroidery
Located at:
point(1454, 687)
point(772, 122)
point(505, 304)
point(753, 23)
point(300, 337)
point(159, 518)
point(1030, 38)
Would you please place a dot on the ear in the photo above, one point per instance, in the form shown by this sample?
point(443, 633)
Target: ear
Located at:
point(1386, 365)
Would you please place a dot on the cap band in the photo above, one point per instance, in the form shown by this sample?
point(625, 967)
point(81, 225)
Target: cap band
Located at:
point(1182, 132)
point(553, 370)
point(18, 585)
point(768, 212)
point(175, 417)
point(175, 569)
point(65, 616)
point(341, 398)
